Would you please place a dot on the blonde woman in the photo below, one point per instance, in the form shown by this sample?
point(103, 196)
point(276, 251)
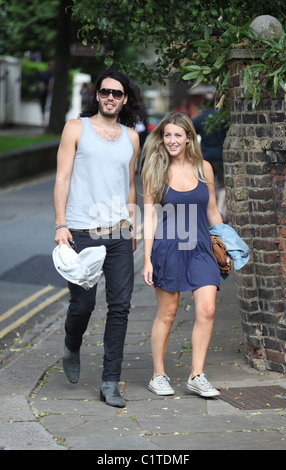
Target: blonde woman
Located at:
point(179, 207)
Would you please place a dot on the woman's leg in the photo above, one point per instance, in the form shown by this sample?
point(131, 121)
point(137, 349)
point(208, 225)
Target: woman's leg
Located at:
point(167, 308)
point(204, 299)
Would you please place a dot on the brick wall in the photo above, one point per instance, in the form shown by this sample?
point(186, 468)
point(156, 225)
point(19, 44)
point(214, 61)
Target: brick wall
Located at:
point(255, 167)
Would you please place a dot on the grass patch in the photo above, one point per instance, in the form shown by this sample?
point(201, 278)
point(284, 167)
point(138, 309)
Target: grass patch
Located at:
point(8, 143)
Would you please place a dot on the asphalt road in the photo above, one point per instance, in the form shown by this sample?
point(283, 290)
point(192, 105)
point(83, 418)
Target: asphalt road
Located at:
point(29, 284)
point(31, 291)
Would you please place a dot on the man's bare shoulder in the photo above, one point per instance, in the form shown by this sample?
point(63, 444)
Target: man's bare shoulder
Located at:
point(72, 129)
point(132, 132)
point(73, 124)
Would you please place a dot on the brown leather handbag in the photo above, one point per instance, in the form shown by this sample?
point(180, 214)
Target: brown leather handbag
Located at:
point(219, 252)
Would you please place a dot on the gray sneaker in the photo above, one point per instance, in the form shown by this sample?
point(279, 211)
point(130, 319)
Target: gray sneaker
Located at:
point(159, 384)
point(201, 385)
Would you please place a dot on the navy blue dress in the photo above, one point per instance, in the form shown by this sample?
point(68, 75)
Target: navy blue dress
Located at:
point(182, 257)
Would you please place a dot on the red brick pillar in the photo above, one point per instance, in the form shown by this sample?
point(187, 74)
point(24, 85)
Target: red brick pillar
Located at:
point(255, 167)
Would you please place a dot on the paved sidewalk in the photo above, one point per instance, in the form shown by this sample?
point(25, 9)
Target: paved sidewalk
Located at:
point(52, 414)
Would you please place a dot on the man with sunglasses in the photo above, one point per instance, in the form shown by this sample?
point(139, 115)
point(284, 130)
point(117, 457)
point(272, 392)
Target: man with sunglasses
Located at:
point(93, 197)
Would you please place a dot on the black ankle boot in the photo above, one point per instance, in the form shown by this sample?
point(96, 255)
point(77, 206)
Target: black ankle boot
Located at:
point(110, 393)
point(71, 365)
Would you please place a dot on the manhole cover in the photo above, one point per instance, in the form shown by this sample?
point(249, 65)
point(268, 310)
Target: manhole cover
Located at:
point(255, 398)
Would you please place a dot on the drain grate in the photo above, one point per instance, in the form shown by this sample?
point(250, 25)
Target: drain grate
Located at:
point(255, 398)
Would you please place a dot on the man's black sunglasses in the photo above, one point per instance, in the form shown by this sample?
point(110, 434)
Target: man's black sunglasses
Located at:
point(105, 92)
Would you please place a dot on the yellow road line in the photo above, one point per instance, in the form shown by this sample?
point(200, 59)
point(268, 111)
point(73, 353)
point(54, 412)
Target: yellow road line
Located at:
point(33, 312)
point(25, 302)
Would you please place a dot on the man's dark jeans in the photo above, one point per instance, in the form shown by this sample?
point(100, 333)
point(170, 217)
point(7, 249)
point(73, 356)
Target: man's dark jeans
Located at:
point(119, 277)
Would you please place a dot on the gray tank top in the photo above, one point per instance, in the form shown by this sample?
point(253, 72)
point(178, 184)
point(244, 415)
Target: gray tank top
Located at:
point(99, 185)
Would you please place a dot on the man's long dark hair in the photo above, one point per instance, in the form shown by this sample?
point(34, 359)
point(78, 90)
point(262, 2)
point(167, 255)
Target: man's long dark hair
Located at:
point(132, 112)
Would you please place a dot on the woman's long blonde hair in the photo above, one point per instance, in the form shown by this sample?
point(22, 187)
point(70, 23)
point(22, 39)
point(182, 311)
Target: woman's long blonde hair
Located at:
point(156, 160)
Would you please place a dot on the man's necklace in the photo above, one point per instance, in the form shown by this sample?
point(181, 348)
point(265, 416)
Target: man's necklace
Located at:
point(113, 137)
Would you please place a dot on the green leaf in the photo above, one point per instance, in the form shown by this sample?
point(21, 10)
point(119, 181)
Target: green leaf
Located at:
point(225, 79)
point(251, 33)
point(199, 80)
point(275, 83)
point(191, 75)
point(245, 80)
point(282, 84)
point(206, 32)
point(206, 70)
point(108, 61)
point(193, 67)
point(219, 62)
point(277, 71)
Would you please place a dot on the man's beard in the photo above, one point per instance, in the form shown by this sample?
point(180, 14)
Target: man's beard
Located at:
point(109, 114)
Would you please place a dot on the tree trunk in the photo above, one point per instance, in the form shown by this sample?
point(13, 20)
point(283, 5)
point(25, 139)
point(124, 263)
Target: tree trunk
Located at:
point(59, 105)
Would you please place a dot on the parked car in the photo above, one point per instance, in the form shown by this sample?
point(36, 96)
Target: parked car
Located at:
point(153, 120)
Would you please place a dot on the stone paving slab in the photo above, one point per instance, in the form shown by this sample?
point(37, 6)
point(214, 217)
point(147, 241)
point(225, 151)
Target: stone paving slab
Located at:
point(26, 436)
